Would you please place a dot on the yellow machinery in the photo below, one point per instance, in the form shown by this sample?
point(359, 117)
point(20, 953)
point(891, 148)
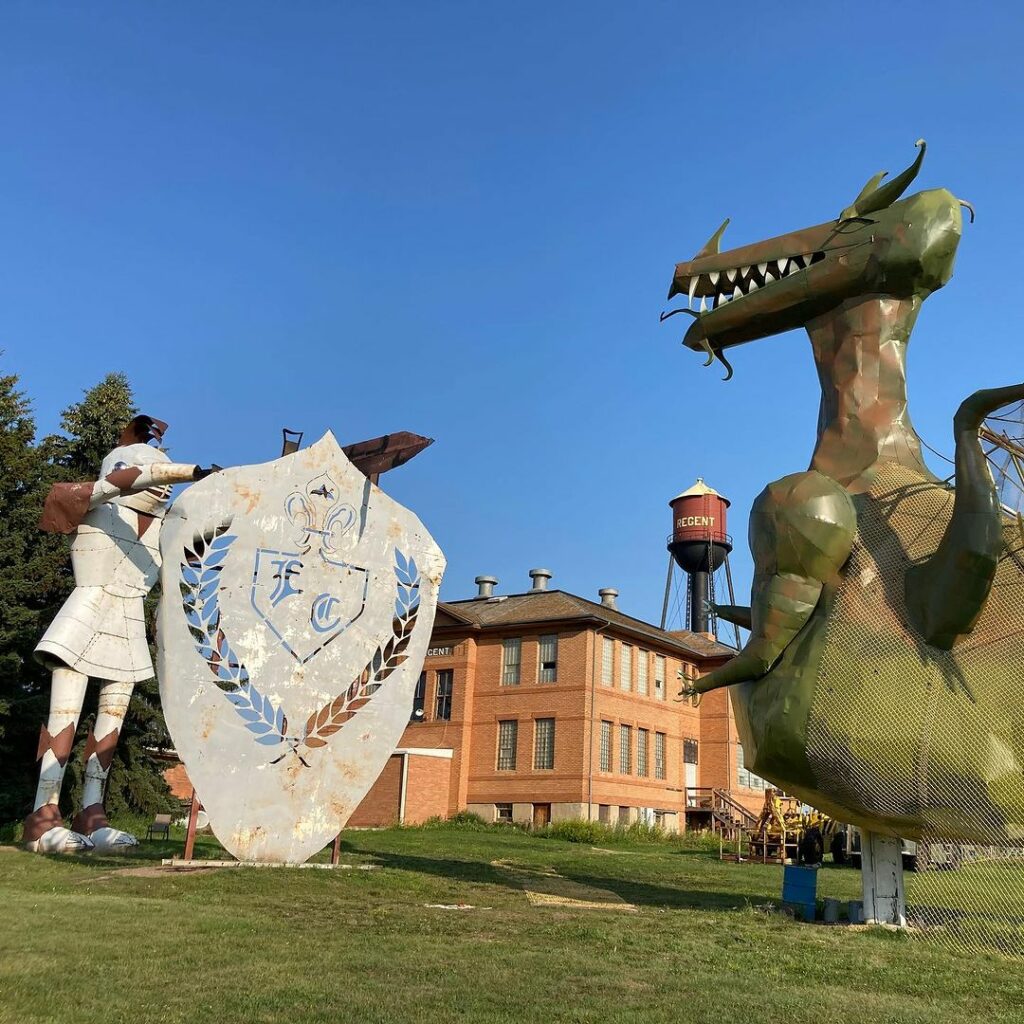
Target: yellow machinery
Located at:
point(784, 832)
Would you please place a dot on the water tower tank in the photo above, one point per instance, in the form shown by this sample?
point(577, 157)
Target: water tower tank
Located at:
point(699, 543)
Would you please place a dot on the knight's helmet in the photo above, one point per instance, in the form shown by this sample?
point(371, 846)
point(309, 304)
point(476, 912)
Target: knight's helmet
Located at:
point(134, 449)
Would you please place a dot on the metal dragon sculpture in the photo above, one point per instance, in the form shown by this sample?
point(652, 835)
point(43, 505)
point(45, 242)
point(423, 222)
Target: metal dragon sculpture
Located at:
point(881, 677)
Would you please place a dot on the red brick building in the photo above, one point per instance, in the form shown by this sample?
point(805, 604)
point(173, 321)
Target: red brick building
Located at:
point(543, 706)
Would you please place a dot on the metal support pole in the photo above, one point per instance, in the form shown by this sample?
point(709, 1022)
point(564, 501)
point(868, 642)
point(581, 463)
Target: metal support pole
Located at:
point(190, 832)
point(698, 602)
point(881, 866)
point(336, 849)
point(668, 590)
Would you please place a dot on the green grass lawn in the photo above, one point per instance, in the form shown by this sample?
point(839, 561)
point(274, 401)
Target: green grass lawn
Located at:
point(559, 932)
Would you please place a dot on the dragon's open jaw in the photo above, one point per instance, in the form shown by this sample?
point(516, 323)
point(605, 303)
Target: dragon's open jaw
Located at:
point(717, 287)
point(879, 244)
point(759, 290)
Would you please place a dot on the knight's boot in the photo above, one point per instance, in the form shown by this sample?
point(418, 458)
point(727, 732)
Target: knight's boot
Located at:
point(45, 833)
point(91, 820)
point(44, 827)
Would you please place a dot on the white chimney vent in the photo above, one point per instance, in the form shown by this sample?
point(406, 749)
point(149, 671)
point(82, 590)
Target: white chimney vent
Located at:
point(608, 595)
point(485, 587)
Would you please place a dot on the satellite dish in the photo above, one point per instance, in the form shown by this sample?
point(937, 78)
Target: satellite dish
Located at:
point(202, 820)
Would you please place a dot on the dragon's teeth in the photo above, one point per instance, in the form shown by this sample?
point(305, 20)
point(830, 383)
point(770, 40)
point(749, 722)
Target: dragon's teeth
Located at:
point(768, 276)
point(703, 305)
point(744, 271)
point(723, 298)
point(731, 275)
point(714, 277)
point(753, 286)
point(783, 266)
point(761, 267)
point(693, 288)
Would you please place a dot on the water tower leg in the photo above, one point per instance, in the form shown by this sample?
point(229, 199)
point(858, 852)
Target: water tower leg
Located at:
point(668, 591)
point(881, 866)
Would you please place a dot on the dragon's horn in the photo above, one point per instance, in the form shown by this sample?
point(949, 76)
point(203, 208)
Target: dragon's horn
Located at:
point(872, 198)
point(712, 245)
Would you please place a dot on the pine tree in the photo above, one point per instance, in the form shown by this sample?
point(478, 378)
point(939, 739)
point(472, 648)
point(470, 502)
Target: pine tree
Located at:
point(33, 582)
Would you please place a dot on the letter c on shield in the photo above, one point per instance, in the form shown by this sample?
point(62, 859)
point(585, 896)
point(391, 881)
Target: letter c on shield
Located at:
point(320, 617)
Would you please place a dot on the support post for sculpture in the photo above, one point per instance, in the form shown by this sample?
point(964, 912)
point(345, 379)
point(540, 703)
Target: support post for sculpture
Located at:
point(190, 832)
point(881, 866)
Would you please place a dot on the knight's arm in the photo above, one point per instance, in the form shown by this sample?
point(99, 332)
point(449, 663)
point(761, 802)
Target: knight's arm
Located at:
point(133, 479)
point(67, 504)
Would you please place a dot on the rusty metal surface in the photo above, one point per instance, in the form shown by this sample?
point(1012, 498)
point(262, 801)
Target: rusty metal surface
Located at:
point(379, 454)
point(298, 605)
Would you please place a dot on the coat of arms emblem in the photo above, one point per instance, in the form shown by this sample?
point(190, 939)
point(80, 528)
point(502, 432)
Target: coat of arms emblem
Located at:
point(298, 601)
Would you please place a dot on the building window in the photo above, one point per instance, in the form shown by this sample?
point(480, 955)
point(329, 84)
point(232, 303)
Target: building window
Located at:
point(626, 667)
point(443, 700)
point(511, 655)
point(508, 735)
point(544, 743)
point(549, 658)
point(606, 746)
point(659, 676)
point(503, 812)
point(747, 778)
point(607, 660)
point(642, 737)
point(689, 752)
point(625, 749)
point(419, 699)
point(659, 755)
point(642, 658)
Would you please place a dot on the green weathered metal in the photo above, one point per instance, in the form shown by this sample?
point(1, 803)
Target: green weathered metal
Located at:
point(878, 679)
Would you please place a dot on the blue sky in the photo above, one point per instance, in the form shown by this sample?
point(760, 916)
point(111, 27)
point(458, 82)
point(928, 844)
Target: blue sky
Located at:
point(461, 220)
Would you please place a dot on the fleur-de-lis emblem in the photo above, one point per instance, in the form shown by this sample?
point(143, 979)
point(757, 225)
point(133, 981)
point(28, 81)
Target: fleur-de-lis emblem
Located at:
point(319, 516)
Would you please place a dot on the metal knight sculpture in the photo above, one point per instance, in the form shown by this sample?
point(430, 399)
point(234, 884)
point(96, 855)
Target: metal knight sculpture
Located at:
point(100, 631)
point(881, 677)
point(298, 601)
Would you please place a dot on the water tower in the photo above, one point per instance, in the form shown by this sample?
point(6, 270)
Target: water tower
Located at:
point(699, 544)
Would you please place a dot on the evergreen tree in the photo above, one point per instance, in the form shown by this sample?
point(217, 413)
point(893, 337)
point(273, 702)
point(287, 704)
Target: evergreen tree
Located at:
point(33, 582)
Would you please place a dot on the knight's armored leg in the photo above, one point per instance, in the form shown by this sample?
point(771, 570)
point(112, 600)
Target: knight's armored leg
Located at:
point(44, 827)
point(91, 820)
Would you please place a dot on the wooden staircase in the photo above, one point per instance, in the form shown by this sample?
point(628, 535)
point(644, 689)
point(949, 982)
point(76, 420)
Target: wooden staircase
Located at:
point(716, 809)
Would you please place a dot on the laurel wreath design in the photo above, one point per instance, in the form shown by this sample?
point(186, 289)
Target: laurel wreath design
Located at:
point(200, 586)
point(332, 716)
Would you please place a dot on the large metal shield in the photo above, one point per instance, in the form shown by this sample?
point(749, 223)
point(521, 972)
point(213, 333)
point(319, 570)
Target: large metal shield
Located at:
point(297, 606)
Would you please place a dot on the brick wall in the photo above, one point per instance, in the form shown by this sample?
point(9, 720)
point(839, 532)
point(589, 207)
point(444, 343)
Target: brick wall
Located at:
point(427, 788)
point(380, 805)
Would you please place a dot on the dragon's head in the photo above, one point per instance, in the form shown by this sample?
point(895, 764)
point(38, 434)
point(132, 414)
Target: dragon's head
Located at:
point(880, 244)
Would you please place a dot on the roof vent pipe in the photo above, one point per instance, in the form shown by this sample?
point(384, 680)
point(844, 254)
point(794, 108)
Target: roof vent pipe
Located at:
point(485, 587)
point(608, 595)
point(540, 579)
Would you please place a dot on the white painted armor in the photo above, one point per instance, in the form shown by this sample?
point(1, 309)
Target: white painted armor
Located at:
point(100, 631)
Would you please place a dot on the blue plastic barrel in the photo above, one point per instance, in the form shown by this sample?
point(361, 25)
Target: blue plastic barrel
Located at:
point(800, 890)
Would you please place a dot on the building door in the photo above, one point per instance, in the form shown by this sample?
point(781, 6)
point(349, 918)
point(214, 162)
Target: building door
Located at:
point(691, 785)
point(541, 815)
